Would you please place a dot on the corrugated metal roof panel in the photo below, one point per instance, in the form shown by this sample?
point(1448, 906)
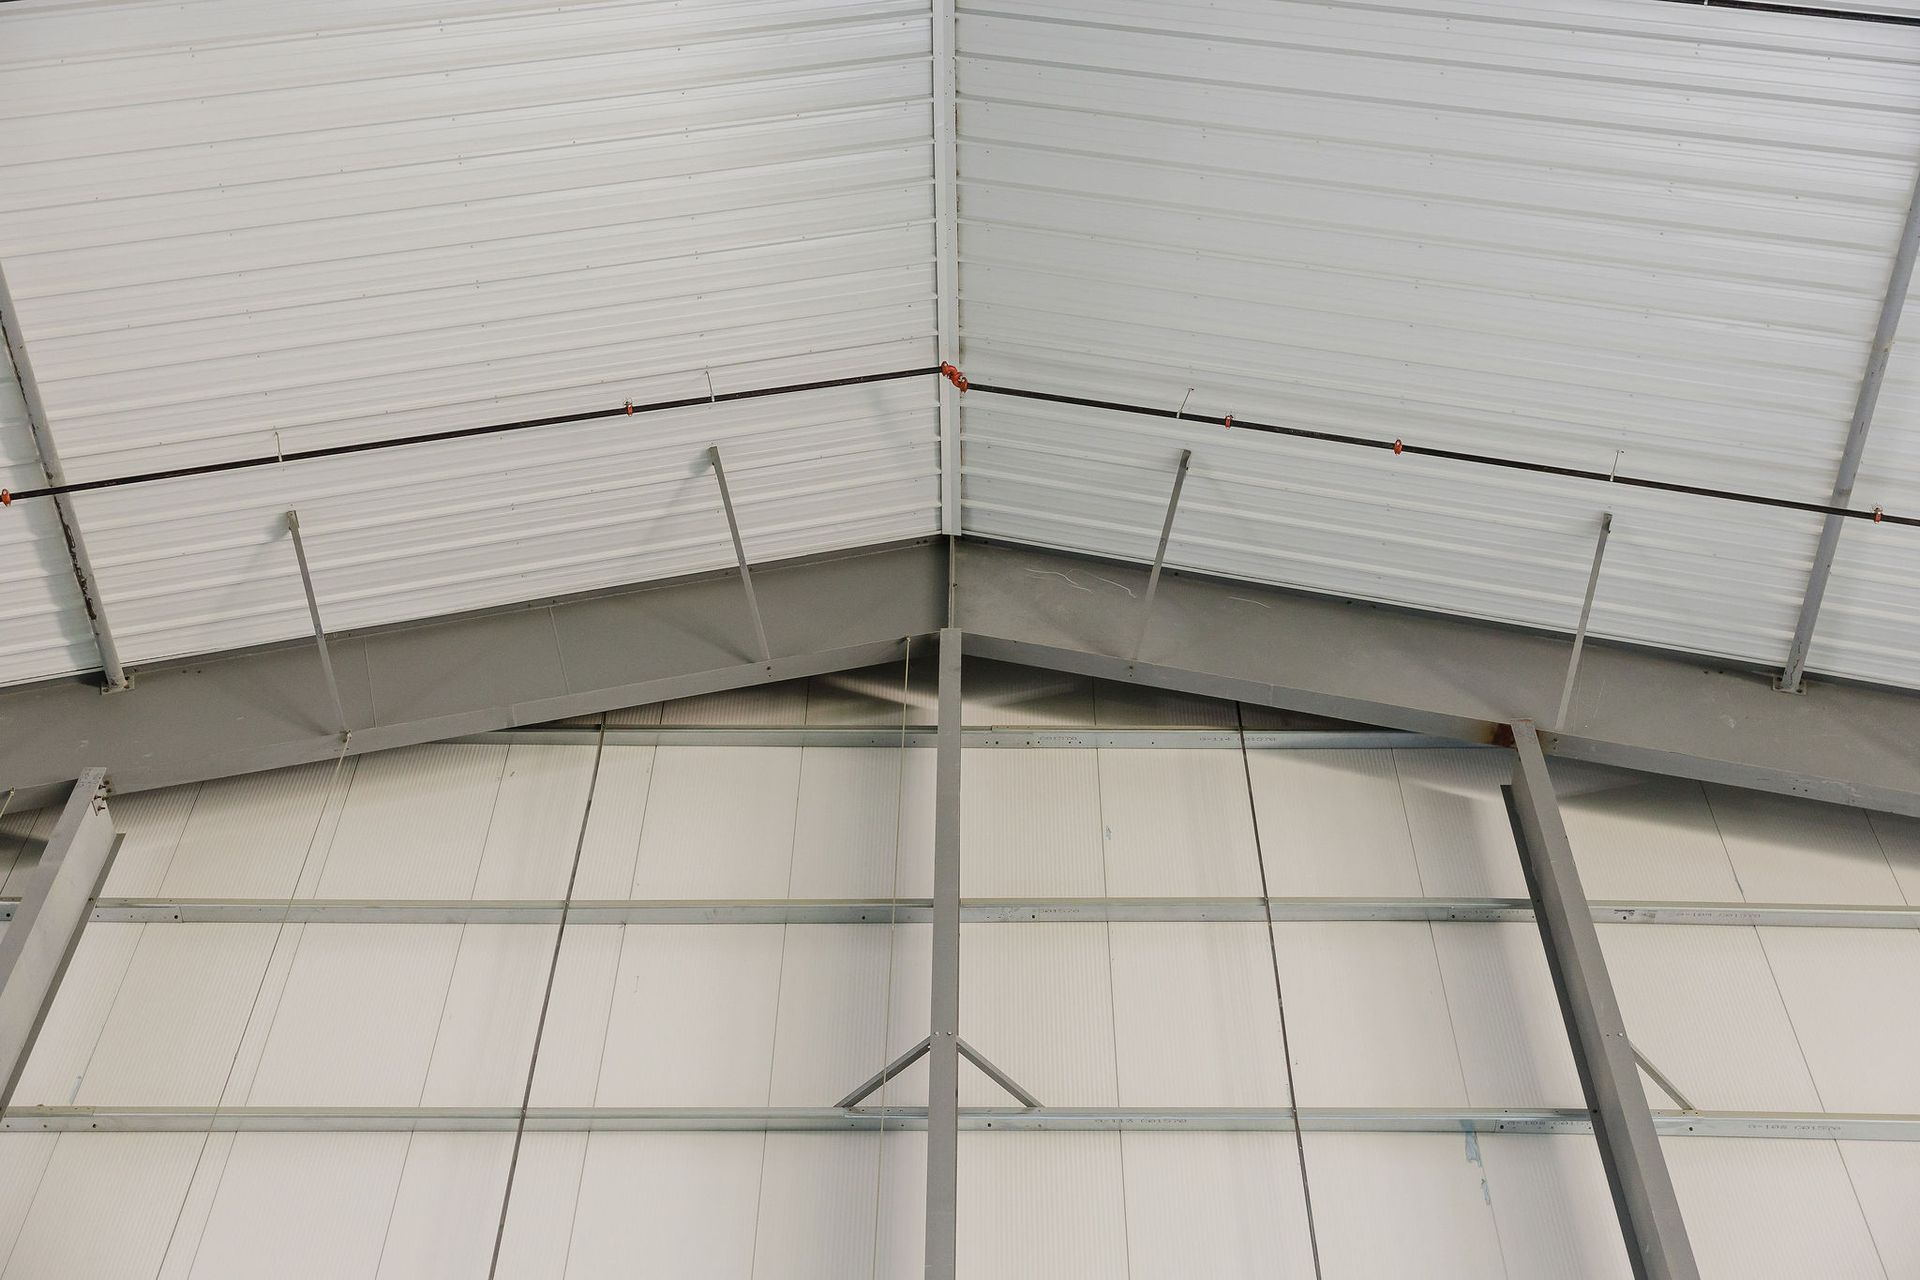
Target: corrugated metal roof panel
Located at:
point(1509, 229)
point(408, 219)
point(46, 624)
point(1772, 1209)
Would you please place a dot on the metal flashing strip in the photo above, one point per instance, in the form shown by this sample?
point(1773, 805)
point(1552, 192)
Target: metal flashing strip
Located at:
point(1814, 1125)
point(1157, 739)
point(972, 911)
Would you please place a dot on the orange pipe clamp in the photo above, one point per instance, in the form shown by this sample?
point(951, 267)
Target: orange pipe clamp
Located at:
point(952, 374)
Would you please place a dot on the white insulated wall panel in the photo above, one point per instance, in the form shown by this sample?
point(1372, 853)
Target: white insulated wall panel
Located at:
point(1367, 1016)
point(1552, 1206)
point(851, 1000)
point(837, 1205)
point(1040, 1001)
point(133, 1181)
point(1701, 1002)
point(1196, 1020)
point(1789, 850)
point(1524, 230)
point(1847, 991)
point(1506, 1018)
point(1030, 823)
point(1900, 840)
point(1771, 1209)
point(685, 1202)
point(1402, 1204)
point(1886, 1177)
point(1042, 1206)
point(719, 823)
point(1635, 836)
point(1215, 1204)
point(493, 214)
point(446, 1206)
point(1176, 823)
point(316, 1204)
point(1333, 824)
point(863, 825)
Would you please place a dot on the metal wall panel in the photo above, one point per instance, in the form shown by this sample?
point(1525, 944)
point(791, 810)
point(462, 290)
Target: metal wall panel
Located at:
point(1771, 1209)
point(446, 1206)
point(1042, 1206)
point(1701, 1002)
point(1177, 824)
point(1367, 1016)
point(1552, 1206)
point(317, 1204)
point(685, 1201)
point(1030, 824)
point(863, 827)
point(1587, 233)
point(135, 1181)
point(1214, 1204)
point(1057, 1037)
point(1886, 1177)
point(719, 823)
point(1507, 1025)
point(1636, 836)
point(1844, 989)
point(232, 236)
point(1393, 1204)
point(1333, 823)
point(1196, 1022)
point(1785, 850)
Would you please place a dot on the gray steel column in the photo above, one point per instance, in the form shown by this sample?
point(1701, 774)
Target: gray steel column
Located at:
point(1869, 398)
point(46, 927)
point(1643, 1195)
point(111, 671)
point(943, 1052)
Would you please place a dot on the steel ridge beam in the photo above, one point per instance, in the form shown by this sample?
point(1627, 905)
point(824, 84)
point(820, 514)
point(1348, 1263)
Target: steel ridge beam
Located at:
point(451, 677)
point(1439, 677)
point(1444, 676)
point(1813, 1125)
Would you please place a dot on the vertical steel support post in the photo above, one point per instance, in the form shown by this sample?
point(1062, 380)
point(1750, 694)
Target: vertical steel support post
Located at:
point(943, 1051)
point(319, 630)
point(46, 926)
point(1586, 615)
point(740, 553)
point(1643, 1195)
point(1160, 553)
point(112, 673)
point(1867, 401)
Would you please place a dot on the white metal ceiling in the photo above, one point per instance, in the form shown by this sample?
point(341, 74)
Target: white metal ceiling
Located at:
point(1588, 233)
point(240, 230)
